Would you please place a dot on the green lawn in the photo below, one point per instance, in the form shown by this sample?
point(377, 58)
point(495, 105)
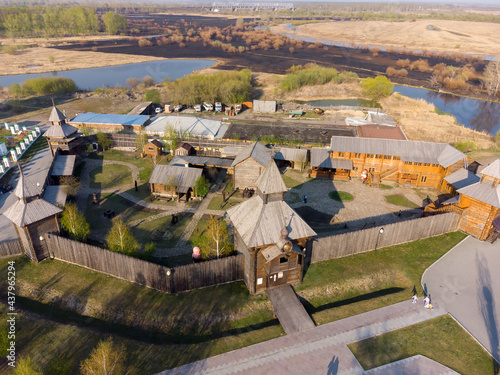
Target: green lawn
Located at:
point(161, 231)
point(386, 187)
point(341, 196)
point(123, 209)
point(400, 200)
point(290, 182)
point(159, 330)
point(216, 203)
point(440, 339)
point(338, 288)
point(110, 176)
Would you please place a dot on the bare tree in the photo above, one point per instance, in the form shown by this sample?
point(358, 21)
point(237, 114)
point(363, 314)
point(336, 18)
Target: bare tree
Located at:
point(491, 78)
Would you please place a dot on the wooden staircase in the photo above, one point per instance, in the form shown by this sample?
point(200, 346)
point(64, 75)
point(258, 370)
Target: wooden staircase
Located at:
point(377, 178)
point(432, 209)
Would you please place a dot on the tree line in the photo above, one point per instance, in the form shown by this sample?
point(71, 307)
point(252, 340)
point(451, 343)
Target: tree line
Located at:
point(58, 21)
point(313, 74)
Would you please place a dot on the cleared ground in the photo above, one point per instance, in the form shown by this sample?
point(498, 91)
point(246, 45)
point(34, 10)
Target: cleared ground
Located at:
point(452, 36)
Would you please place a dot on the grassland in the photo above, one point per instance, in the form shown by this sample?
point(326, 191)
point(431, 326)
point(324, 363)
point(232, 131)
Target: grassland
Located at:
point(110, 176)
point(452, 36)
point(440, 339)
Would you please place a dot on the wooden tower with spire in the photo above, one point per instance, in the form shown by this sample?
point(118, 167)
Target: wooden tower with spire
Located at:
point(62, 136)
point(33, 218)
point(270, 234)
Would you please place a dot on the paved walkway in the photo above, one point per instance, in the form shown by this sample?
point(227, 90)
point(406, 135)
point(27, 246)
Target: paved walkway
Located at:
point(321, 350)
point(291, 313)
point(466, 283)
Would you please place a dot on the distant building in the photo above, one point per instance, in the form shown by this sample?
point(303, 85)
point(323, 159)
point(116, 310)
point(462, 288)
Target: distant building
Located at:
point(110, 123)
point(184, 149)
point(296, 158)
point(146, 108)
point(264, 106)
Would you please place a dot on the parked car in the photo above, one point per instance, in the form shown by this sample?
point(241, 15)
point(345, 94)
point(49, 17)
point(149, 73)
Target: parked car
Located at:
point(198, 108)
point(218, 107)
point(178, 107)
point(237, 108)
point(158, 109)
point(208, 106)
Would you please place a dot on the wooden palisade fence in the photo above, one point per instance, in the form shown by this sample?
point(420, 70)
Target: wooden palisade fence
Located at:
point(11, 249)
point(170, 280)
point(340, 245)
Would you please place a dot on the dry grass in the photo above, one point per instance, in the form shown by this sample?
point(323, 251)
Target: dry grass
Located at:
point(469, 37)
point(420, 122)
point(63, 60)
point(347, 90)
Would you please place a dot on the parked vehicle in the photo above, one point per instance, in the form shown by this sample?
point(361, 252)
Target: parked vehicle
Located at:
point(218, 107)
point(237, 108)
point(178, 107)
point(208, 106)
point(158, 109)
point(198, 108)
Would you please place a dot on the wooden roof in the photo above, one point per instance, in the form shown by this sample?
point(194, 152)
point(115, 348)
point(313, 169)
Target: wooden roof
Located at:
point(492, 170)
point(411, 151)
point(63, 165)
point(270, 180)
point(461, 178)
point(257, 151)
point(56, 115)
point(483, 192)
point(156, 143)
point(55, 194)
point(291, 154)
point(201, 160)
point(380, 131)
point(320, 158)
point(23, 214)
point(185, 146)
point(184, 177)
point(60, 131)
point(260, 224)
point(25, 188)
point(140, 108)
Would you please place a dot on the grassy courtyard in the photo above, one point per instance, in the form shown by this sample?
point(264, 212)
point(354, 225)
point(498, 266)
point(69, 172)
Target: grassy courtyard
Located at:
point(400, 200)
point(110, 176)
point(340, 196)
point(161, 231)
point(440, 339)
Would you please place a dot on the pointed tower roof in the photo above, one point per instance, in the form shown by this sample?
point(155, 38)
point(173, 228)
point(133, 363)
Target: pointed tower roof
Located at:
point(25, 188)
point(257, 151)
point(56, 115)
point(60, 130)
point(270, 180)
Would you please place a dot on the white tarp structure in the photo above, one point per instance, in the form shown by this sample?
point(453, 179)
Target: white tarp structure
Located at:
point(187, 126)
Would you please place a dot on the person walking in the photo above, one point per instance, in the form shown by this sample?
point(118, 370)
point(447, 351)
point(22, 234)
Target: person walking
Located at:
point(427, 301)
point(414, 299)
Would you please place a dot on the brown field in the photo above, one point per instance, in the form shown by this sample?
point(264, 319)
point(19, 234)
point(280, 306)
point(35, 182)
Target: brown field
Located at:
point(420, 122)
point(63, 60)
point(452, 36)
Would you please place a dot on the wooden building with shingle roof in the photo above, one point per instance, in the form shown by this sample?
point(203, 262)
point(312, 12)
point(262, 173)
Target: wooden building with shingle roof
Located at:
point(62, 136)
point(270, 234)
point(249, 164)
point(173, 181)
point(33, 218)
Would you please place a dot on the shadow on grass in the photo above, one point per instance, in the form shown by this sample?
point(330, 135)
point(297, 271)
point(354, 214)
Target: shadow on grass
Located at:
point(64, 316)
point(364, 297)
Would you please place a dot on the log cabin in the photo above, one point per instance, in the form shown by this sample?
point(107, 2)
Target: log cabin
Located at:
point(479, 204)
point(62, 136)
point(153, 148)
point(407, 163)
point(110, 123)
point(249, 164)
point(172, 181)
point(270, 234)
point(33, 218)
point(184, 149)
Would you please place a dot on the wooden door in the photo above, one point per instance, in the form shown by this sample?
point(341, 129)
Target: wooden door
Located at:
point(276, 279)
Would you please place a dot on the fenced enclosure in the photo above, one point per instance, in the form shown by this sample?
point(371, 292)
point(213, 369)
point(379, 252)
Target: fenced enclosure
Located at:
point(170, 280)
point(340, 245)
point(11, 249)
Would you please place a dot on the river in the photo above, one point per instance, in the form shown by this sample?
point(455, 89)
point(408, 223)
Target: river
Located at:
point(93, 78)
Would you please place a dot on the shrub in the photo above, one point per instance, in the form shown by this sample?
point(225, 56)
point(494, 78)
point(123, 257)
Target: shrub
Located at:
point(313, 74)
point(465, 145)
point(403, 63)
point(46, 86)
point(377, 88)
point(143, 42)
point(390, 71)
point(152, 96)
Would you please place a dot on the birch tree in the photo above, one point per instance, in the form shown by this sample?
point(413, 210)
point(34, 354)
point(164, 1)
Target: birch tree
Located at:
point(491, 79)
point(214, 242)
point(74, 222)
point(121, 240)
point(105, 359)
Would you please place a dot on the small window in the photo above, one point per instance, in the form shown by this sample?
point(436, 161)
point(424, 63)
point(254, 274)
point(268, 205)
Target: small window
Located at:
point(150, 148)
point(341, 154)
point(283, 260)
point(424, 178)
point(388, 157)
point(259, 281)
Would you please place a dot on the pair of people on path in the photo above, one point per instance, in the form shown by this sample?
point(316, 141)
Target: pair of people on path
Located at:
point(427, 301)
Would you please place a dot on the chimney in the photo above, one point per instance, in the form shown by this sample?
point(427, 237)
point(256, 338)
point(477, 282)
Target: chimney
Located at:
point(186, 165)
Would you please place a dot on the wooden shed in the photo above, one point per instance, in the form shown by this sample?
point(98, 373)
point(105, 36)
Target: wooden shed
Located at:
point(184, 149)
point(153, 148)
point(249, 164)
point(270, 234)
point(173, 181)
point(33, 218)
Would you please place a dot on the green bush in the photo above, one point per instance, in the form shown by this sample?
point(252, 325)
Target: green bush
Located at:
point(378, 87)
point(152, 96)
point(44, 86)
point(313, 74)
point(465, 146)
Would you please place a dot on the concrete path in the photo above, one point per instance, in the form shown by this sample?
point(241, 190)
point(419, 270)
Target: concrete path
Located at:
point(291, 313)
point(321, 350)
point(416, 365)
point(466, 283)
